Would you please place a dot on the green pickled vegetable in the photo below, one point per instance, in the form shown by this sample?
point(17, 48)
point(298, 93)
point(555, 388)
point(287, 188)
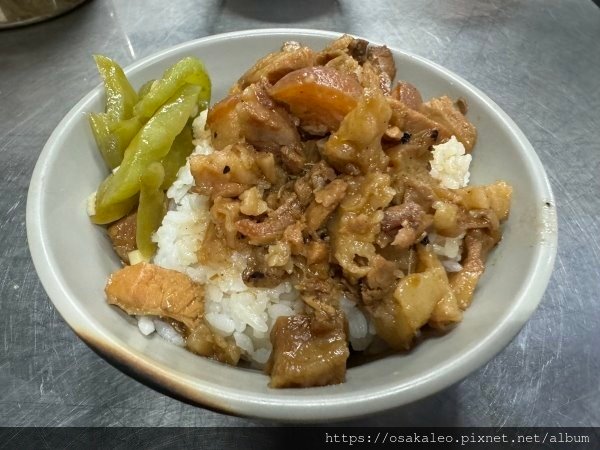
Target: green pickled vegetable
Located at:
point(125, 130)
point(152, 208)
point(187, 71)
point(114, 129)
point(182, 147)
point(145, 89)
point(107, 214)
point(113, 137)
point(151, 144)
point(101, 124)
point(145, 137)
point(120, 96)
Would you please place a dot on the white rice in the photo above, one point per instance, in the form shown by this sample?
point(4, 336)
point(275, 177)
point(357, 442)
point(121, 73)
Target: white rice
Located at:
point(232, 309)
point(146, 325)
point(91, 204)
point(361, 329)
point(450, 164)
point(168, 333)
point(448, 249)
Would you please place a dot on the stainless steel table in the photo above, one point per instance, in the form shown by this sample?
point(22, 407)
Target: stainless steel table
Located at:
point(539, 60)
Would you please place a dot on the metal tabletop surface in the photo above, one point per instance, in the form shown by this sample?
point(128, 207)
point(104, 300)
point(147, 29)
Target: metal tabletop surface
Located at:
point(539, 60)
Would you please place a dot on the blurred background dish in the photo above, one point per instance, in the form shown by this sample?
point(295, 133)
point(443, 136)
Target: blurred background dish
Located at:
point(16, 13)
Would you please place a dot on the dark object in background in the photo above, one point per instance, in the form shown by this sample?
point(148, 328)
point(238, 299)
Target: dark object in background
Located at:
point(15, 13)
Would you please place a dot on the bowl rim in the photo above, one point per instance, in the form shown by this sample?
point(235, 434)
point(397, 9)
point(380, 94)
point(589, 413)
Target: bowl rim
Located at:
point(300, 408)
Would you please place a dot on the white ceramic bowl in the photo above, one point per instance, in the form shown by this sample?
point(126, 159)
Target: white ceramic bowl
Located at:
point(73, 257)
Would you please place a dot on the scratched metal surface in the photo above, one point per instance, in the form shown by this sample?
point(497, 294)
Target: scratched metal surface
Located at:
point(539, 60)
